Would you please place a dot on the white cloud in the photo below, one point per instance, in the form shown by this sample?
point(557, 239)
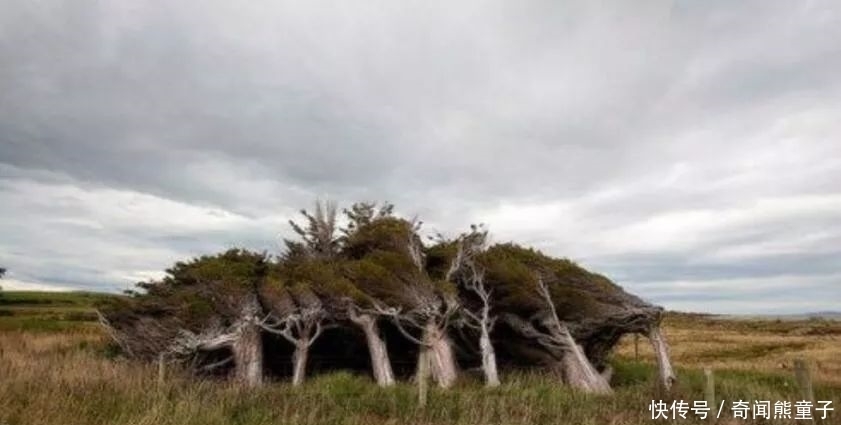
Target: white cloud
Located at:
point(661, 142)
point(17, 285)
point(64, 236)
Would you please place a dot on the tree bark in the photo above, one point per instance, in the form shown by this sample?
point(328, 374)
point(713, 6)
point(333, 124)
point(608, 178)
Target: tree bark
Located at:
point(580, 373)
point(439, 349)
point(577, 370)
point(607, 373)
point(488, 357)
point(299, 361)
point(248, 356)
point(380, 363)
point(422, 377)
point(661, 352)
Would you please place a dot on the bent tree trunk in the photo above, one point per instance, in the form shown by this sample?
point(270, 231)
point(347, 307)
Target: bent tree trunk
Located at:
point(488, 357)
point(578, 371)
point(661, 352)
point(563, 354)
point(438, 349)
point(299, 362)
point(248, 356)
point(380, 363)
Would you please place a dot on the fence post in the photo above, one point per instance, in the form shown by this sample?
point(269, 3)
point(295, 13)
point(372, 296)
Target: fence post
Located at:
point(423, 376)
point(804, 379)
point(161, 370)
point(709, 392)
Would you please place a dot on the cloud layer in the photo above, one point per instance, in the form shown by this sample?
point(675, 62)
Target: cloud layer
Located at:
point(689, 149)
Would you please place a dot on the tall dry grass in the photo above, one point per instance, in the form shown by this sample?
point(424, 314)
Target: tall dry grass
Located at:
point(50, 378)
point(764, 346)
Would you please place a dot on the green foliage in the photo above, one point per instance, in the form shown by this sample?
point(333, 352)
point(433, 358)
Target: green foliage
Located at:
point(233, 267)
point(439, 257)
point(514, 272)
point(211, 289)
point(380, 265)
point(372, 278)
point(379, 260)
point(363, 213)
point(319, 234)
point(323, 278)
point(384, 277)
point(383, 234)
point(274, 293)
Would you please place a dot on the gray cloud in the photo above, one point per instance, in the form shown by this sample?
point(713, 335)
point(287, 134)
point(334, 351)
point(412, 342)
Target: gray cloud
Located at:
point(670, 145)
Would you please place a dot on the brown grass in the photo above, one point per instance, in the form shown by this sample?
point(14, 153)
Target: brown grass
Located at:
point(768, 346)
point(64, 377)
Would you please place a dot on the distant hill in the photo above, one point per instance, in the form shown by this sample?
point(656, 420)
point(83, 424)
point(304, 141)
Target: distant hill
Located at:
point(818, 315)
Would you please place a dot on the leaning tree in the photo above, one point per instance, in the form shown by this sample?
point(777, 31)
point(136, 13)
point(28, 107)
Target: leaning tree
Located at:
point(297, 308)
point(386, 263)
point(361, 308)
point(201, 306)
point(317, 262)
point(572, 317)
point(518, 306)
point(458, 261)
point(291, 295)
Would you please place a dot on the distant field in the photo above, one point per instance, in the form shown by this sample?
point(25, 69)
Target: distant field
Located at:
point(47, 311)
point(55, 369)
point(767, 346)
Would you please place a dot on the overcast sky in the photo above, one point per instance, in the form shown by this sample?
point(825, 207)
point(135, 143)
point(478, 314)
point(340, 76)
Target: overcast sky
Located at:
point(689, 150)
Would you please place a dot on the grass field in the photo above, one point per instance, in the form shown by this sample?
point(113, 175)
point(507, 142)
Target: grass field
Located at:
point(54, 369)
point(47, 311)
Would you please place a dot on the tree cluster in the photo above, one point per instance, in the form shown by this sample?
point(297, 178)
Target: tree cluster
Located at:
point(451, 303)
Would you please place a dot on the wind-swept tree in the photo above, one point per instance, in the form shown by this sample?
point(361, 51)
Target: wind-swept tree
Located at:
point(360, 308)
point(227, 284)
point(387, 265)
point(296, 310)
point(206, 304)
point(575, 316)
point(316, 262)
point(464, 267)
point(543, 310)
point(525, 280)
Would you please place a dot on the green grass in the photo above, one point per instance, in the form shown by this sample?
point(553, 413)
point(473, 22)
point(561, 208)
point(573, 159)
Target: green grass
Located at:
point(35, 299)
point(47, 311)
point(343, 398)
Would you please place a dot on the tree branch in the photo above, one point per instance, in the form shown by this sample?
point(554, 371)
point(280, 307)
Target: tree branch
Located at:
point(217, 364)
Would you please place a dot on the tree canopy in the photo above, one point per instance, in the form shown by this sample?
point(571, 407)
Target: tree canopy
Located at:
point(372, 262)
